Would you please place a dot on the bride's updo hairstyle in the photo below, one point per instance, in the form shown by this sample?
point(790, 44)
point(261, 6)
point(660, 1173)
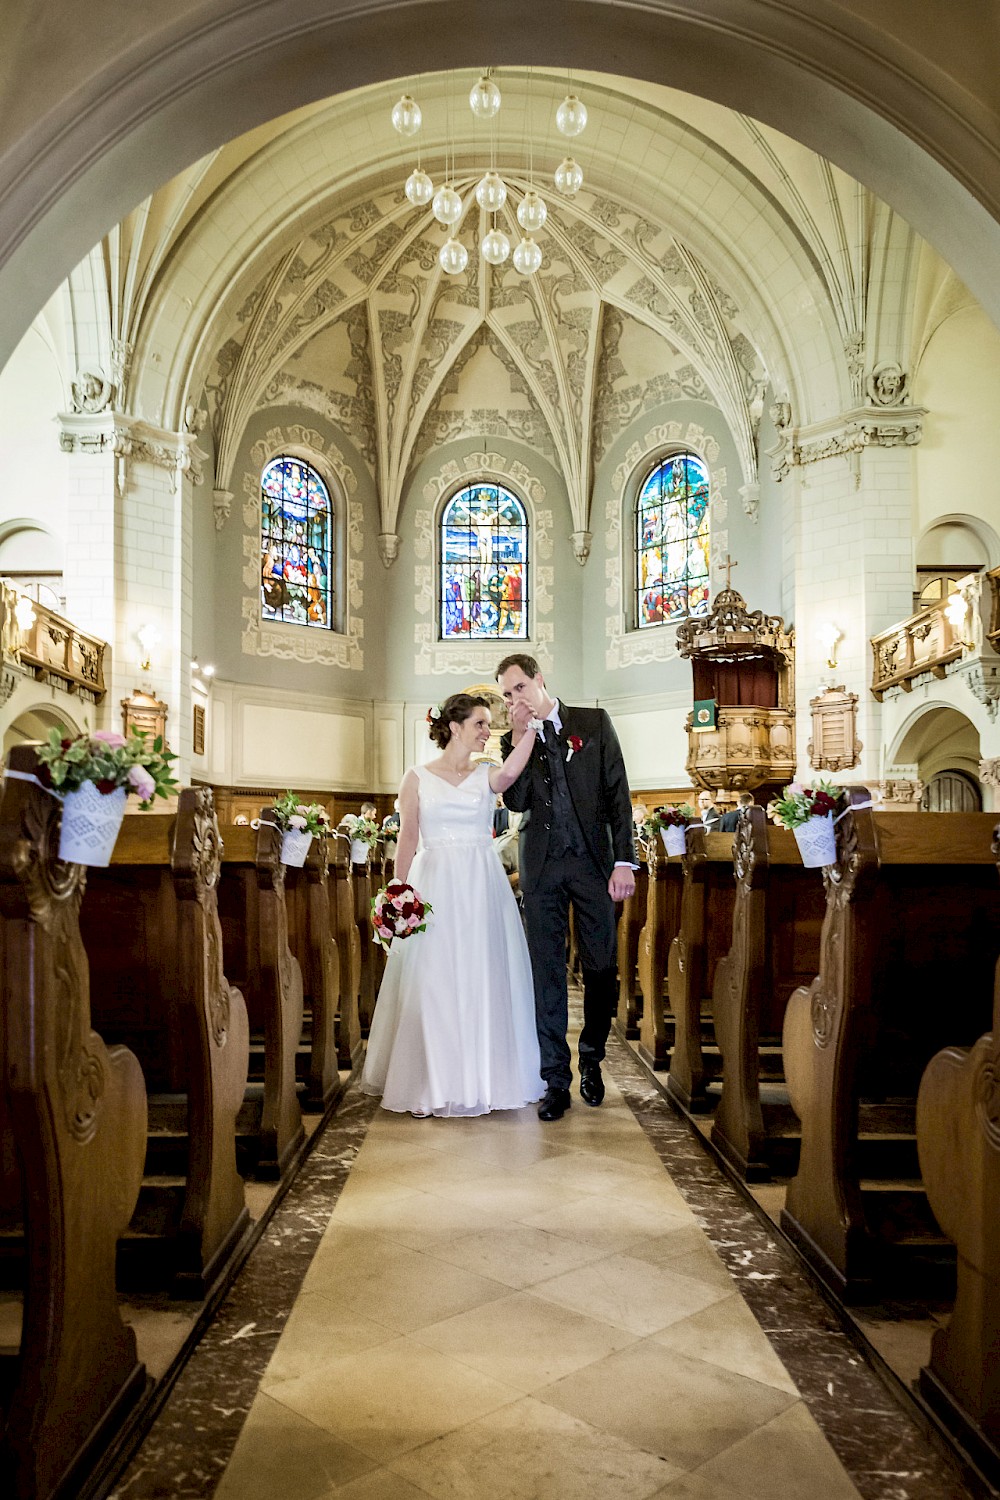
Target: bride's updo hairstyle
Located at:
point(454, 710)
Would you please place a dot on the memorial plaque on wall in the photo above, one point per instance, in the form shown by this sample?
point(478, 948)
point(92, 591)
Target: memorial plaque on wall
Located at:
point(834, 745)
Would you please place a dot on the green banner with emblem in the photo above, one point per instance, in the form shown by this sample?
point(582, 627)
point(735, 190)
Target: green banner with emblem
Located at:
point(703, 715)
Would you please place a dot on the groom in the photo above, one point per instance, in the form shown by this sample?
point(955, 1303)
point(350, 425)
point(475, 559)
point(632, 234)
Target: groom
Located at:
point(577, 847)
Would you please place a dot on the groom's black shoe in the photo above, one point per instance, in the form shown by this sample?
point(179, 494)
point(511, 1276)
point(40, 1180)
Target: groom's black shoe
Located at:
point(555, 1104)
point(591, 1084)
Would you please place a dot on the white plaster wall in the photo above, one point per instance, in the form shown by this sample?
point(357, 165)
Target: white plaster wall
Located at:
point(31, 392)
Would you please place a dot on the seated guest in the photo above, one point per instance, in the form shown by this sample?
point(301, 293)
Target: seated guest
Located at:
point(501, 818)
point(708, 812)
point(729, 822)
point(369, 811)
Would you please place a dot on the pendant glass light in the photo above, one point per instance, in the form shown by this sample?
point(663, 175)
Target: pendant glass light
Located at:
point(571, 116)
point(453, 257)
point(447, 206)
point(532, 212)
point(527, 257)
point(491, 193)
point(496, 247)
point(419, 188)
point(569, 177)
point(406, 116)
point(484, 100)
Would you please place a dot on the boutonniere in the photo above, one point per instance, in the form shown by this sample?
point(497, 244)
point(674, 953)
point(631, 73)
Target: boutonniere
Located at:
point(575, 743)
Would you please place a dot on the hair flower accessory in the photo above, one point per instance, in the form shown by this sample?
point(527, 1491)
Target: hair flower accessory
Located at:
point(575, 744)
point(433, 713)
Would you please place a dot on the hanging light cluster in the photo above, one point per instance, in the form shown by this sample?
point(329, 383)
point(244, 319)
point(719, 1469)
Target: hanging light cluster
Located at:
point(491, 191)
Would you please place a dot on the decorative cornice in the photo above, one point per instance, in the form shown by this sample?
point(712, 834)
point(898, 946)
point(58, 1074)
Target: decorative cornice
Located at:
point(846, 436)
point(982, 678)
point(130, 439)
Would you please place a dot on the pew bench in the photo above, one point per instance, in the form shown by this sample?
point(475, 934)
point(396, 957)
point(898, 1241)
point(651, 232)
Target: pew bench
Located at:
point(909, 942)
point(664, 883)
point(630, 924)
point(774, 948)
point(702, 939)
point(150, 927)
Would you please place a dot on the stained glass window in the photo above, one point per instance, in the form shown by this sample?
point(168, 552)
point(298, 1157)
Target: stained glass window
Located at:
point(296, 545)
point(671, 542)
point(484, 565)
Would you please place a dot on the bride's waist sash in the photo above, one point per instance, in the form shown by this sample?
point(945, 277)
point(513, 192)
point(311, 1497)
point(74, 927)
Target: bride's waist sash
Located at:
point(476, 841)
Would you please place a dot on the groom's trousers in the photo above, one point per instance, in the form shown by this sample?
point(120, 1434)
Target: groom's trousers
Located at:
point(572, 878)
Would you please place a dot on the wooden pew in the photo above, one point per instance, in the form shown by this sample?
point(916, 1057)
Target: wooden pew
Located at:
point(702, 939)
point(349, 1043)
point(310, 897)
point(74, 1111)
point(909, 942)
point(958, 1138)
point(663, 912)
point(150, 926)
point(630, 923)
point(257, 958)
point(378, 878)
point(367, 986)
point(777, 917)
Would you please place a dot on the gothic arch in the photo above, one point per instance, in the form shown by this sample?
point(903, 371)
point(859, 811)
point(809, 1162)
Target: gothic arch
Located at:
point(94, 129)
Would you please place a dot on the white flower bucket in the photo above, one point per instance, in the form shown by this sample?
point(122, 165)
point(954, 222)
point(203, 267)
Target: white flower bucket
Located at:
point(674, 839)
point(359, 851)
point(817, 842)
point(295, 846)
point(90, 824)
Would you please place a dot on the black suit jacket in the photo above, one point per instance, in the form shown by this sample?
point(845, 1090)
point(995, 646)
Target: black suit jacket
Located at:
point(595, 776)
point(729, 822)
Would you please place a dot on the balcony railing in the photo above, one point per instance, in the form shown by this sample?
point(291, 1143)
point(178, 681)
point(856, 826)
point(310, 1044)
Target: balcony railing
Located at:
point(947, 632)
point(48, 647)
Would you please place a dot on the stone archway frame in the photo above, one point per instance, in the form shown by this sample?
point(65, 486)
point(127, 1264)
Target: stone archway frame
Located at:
point(633, 648)
point(260, 637)
point(439, 658)
point(989, 538)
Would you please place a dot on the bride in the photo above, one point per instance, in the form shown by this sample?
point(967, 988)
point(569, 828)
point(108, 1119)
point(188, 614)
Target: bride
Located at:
point(453, 1032)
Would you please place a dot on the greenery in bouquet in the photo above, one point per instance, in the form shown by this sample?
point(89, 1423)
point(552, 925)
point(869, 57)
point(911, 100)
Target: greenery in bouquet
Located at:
point(295, 816)
point(798, 803)
point(669, 816)
point(360, 828)
point(398, 911)
point(139, 764)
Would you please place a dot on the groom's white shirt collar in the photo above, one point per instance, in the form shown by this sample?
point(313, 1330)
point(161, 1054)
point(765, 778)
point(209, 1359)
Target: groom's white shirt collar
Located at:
point(555, 716)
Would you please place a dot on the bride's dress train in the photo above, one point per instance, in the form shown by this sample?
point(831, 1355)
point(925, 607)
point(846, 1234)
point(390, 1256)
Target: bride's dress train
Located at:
point(454, 1028)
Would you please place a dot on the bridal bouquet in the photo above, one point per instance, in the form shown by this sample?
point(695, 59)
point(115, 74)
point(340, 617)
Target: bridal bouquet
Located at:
point(398, 911)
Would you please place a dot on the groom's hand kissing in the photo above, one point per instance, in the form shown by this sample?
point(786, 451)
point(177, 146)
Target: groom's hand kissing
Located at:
point(520, 713)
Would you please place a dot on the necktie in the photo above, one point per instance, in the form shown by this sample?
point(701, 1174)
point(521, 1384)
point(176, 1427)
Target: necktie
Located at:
point(549, 734)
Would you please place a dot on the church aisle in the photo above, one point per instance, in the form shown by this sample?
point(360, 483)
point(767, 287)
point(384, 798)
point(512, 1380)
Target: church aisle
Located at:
point(503, 1310)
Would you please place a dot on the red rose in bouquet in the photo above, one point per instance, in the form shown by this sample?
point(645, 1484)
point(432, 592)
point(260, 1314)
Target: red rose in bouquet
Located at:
point(398, 911)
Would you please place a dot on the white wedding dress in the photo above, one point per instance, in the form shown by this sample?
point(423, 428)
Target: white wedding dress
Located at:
point(453, 1031)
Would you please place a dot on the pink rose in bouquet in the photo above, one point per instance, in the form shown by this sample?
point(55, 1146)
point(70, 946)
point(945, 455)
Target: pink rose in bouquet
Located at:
point(398, 911)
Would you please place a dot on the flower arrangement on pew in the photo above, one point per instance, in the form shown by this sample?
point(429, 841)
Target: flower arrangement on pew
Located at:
point(398, 911)
point(94, 774)
point(363, 834)
point(671, 823)
point(809, 813)
point(300, 823)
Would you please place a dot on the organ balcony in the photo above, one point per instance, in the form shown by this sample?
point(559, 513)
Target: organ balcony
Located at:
point(957, 636)
point(42, 644)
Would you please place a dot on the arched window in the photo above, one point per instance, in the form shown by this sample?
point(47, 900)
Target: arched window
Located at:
point(296, 545)
point(484, 565)
point(671, 542)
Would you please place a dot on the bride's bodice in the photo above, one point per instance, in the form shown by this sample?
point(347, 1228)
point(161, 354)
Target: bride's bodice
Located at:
point(455, 815)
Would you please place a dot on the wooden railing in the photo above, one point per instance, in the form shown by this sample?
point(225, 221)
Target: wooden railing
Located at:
point(49, 647)
point(933, 638)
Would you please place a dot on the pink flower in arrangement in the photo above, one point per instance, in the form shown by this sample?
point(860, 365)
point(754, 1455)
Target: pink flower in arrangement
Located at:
point(297, 821)
point(109, 738)
point(140, 781)
point(794, 789)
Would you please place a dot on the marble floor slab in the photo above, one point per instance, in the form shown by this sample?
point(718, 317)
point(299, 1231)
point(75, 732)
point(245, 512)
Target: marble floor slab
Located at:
point(501, 1309)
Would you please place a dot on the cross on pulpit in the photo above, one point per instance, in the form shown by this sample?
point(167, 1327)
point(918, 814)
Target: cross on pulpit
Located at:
point(729, 565)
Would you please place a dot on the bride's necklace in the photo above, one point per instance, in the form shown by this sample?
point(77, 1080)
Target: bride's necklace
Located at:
point(454, 776)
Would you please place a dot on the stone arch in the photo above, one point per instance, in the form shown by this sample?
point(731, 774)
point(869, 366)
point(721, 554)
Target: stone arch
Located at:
point(937, 737)
point(95, 128)
point(34, 724)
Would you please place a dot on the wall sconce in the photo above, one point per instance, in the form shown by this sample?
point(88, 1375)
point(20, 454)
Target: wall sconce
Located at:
point(830, 636)
point(957, 614)
point(149, 638)
point(24, 613)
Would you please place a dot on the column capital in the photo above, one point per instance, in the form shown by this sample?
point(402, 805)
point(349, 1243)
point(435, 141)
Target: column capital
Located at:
point(126, 437)
point(847, 436)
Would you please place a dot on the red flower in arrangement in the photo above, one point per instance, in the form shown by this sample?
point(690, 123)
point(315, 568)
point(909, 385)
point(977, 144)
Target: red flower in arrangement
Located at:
point(823, 804)
point(575, 744)
point(398, 911)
